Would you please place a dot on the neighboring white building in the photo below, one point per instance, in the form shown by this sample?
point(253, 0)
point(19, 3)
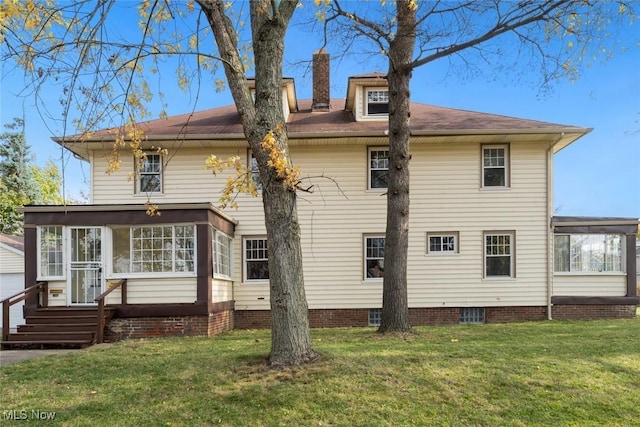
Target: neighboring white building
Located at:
point(12, 274)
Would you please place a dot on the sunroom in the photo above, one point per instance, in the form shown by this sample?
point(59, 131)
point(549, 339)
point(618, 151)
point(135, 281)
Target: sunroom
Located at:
point(175, 263)
point(594, 264)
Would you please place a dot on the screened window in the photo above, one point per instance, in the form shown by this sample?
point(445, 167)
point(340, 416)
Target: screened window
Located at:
point(495, 167)
point(256, 259)
point(378, 168)
point(221, 254)
point(377, 102)
point(588, 253)
point(442, 243)
point(374, 257)
point(149, 169)
point(154, 249)
point(499, 254)
point(50, 252)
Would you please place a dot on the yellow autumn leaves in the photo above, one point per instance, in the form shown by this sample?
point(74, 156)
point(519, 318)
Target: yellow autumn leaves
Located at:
point(243, 181)
point(278, 160)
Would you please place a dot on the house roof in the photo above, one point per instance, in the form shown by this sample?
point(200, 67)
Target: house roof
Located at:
point(427, 121)
point(13, 243)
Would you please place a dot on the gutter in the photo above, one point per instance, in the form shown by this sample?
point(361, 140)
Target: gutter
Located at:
point(121, 208)
point(550, 238)
point(341, 134)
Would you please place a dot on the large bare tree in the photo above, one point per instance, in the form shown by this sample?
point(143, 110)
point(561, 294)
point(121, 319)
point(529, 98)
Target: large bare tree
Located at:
point(104, 75)
point(555, 37)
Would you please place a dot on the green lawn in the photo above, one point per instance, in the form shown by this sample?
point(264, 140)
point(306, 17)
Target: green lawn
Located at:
point(542, 373)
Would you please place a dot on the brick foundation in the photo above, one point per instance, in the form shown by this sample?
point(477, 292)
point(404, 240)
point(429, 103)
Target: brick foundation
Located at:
point(149, 327)
point(593, 311)
point(515, 314)
point(256, 319)
point(226, 320)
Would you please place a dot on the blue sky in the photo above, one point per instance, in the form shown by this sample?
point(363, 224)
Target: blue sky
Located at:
point(598, 175)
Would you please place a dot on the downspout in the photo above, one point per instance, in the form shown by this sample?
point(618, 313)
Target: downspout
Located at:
point(550, 226)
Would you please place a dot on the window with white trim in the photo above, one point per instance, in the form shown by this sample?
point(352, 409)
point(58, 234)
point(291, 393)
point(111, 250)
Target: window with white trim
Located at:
point(495, 166)
point(149, 173)
point(378, 168)
point(377, 102)
point(51, 252)
point(256, 259)
point(154, 249)
point(442, 243)
point(588, 253)
point(255, 173)
point(499, 254)
point(373, 257)
point(221, 245)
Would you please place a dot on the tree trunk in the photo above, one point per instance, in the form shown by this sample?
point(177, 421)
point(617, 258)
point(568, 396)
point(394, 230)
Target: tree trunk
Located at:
point(395, 308)
point(290, 337)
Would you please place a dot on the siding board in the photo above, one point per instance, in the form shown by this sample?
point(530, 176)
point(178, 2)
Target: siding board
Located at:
point(446, 196)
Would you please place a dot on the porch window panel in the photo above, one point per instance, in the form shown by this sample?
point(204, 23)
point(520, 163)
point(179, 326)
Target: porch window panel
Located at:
point(121, 250)
point(221, 245)
point(162, 249)
point(588, 253)
point(184, 248)
point(51, 252)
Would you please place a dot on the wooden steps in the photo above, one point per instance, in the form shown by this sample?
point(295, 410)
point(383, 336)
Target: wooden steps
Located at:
point(58, 327)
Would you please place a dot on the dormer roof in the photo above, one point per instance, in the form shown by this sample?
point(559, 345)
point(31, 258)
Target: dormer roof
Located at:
point(367, 80)
point(288, 84)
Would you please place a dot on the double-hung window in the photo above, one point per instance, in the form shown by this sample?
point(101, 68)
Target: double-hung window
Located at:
point(255, 173)
point(374, 257)
point(495, 166)
point(221, 254)
point(442, 243)
point(50, 252)
point(154, 249)
point(378, 168)
point(588, 253)
point(499, 254)
point(377, 100)
point(256, 259)
point(149, 173)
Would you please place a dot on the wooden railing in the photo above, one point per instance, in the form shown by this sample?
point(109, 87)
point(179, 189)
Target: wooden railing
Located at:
point(100, 300)
point(40, 288)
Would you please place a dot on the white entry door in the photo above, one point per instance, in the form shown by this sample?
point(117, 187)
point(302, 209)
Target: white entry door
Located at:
point(86, 266)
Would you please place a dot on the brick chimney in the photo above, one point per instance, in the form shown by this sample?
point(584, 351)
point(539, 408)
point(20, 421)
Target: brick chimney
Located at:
point(321, 92)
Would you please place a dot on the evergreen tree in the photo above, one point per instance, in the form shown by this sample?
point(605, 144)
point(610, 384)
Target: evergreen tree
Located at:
point(21, 182)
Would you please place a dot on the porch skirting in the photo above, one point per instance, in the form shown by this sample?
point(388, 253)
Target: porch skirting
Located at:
point(593, 311)
point(149, 327)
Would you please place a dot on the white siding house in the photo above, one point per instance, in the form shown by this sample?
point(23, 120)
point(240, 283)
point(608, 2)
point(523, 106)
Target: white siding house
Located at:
point(483, 242)
point(12, 274)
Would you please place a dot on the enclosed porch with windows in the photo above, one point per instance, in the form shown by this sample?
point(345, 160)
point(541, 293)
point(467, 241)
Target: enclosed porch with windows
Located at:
point(593, 267)
point(140, 274)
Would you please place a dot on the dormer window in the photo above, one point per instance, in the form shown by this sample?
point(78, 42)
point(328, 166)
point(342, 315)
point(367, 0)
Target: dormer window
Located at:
point(377, 100)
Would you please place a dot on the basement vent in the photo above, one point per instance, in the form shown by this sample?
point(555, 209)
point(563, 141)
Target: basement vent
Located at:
point(375, 315)
point(472, 315)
